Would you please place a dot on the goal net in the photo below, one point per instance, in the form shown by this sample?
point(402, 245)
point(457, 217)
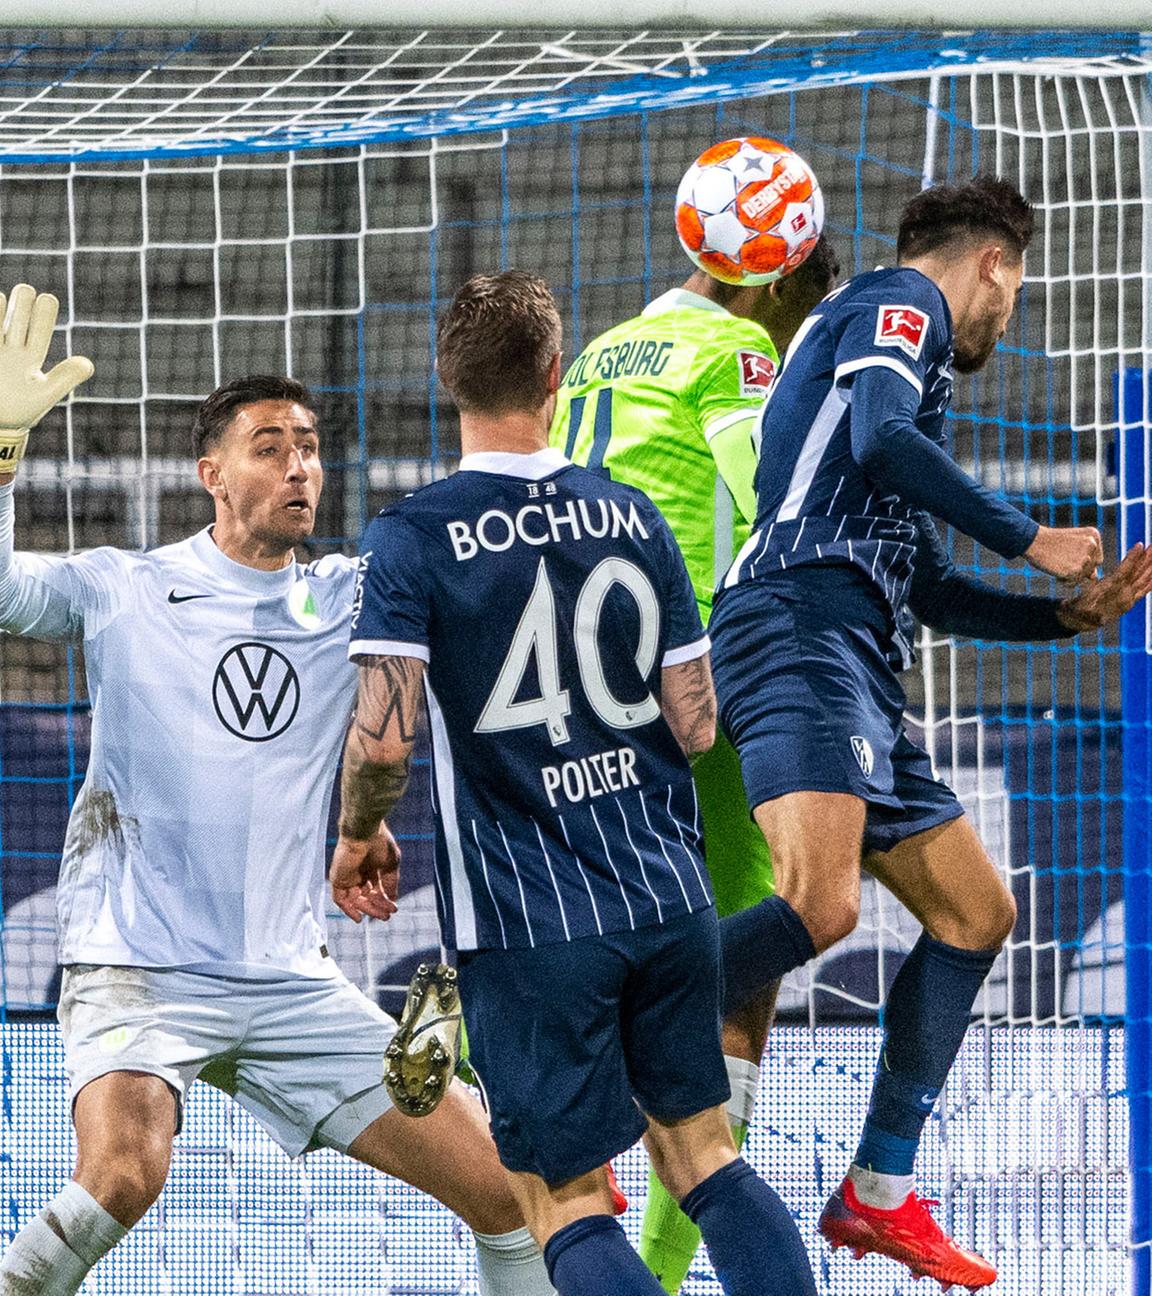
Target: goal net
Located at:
point(210, 204)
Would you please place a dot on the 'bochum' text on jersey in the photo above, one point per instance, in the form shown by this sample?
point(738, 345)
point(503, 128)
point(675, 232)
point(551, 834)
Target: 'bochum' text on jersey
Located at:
point(545, 600)
point(816, 504)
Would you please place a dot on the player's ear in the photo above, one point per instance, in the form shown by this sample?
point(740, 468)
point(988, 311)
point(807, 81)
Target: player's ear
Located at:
point(555, 373)
point(992, 264)
point(211, 478)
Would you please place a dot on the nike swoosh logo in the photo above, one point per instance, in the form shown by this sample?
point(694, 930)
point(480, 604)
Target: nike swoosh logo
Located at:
point(173, 597)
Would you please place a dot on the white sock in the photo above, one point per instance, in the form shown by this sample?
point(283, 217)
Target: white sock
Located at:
point(52, 1254)
point(744, 1077)
point(882, 1191)
point(39, 1263)
point(511, 1264)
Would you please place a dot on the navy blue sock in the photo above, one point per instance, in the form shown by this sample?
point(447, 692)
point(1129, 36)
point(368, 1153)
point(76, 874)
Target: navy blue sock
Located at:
point(925, 1020)
point(592, 1257)
point(752, 1240)
point(759, 945)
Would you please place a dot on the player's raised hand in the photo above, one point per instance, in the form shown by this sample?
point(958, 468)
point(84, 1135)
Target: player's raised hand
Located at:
point(26, 392)
point(1106, 600)
point(365, 876)
point(1068, 553)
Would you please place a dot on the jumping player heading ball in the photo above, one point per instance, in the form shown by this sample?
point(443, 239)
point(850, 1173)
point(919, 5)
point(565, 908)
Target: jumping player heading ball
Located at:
point(811, 629)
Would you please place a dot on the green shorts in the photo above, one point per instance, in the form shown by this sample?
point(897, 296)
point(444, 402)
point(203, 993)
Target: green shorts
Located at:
point(735, 851)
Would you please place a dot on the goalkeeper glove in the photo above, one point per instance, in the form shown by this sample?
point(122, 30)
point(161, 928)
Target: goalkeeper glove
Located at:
point(26, 393)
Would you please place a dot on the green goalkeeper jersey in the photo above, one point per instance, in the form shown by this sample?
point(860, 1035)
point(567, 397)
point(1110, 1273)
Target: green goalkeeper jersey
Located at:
point(669, 402)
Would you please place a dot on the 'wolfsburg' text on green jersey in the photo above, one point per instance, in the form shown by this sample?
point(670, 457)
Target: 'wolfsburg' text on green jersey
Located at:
point(669, 402)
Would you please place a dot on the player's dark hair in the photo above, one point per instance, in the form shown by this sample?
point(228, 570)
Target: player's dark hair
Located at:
point(216, 411)
point(496, 342)
point(985, 207)
point(720, 292)
point(816, 275)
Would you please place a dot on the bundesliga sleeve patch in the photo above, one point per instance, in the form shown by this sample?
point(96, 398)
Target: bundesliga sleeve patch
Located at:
point(904, 327)
point(756, 373)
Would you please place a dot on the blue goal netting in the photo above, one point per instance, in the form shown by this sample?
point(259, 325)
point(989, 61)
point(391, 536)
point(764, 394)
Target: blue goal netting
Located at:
point(304, 202)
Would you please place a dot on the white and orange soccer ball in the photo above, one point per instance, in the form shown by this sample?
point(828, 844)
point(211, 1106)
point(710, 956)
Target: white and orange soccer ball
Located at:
point(749, 210)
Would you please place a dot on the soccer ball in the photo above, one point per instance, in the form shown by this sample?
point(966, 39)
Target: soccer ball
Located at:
point(749, 210)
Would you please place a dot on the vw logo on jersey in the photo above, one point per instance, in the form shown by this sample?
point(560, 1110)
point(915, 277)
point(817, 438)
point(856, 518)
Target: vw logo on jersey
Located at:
point(862, 750)
point(256, 692)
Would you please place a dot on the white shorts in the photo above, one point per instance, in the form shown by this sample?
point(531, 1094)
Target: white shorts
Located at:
point(304, 1056)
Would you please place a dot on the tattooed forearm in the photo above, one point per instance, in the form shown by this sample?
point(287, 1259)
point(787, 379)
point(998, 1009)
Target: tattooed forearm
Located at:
point(689, 704)
point(389, 697)
point(368, 792)
point(378, 753)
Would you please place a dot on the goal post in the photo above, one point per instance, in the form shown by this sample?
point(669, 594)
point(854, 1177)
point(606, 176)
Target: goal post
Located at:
point(676, 15)
point(228, 199)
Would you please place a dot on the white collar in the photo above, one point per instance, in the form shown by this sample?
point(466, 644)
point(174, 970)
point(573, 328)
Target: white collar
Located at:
point(256, 580)
point(682, 299)
point(531, 467)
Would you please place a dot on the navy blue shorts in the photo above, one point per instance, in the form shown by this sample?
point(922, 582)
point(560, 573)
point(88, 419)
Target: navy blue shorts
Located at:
point(573, 1042)
point(810, 699)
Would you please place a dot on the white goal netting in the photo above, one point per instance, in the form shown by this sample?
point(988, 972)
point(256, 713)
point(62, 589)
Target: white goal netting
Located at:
point(208, 204)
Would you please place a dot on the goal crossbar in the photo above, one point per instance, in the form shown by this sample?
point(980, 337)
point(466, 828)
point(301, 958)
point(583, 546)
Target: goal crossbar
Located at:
point(679, 14)
point(169, 95)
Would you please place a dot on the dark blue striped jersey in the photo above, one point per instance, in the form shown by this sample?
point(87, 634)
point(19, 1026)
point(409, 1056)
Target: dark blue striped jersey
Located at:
point(545, 599)
point(852, 443)
point(815, 502)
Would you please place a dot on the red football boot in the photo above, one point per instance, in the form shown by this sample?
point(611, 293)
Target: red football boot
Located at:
point(908, 1234)
point(619, 1201)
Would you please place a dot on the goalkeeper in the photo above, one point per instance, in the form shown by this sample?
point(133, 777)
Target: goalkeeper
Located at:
point(190, 898)
point(669, 402)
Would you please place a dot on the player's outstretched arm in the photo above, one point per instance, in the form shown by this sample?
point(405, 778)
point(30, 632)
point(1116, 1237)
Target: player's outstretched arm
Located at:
point(1068, 553)
point(37, 596)
point(1106, 600)
point(26, 392)
point(954, 603)
point(890, 448)
point(377, 758)
point(688, 702)
point(901, 460)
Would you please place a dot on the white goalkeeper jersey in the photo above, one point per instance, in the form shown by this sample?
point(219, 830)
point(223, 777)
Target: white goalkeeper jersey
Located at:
point(220, 699)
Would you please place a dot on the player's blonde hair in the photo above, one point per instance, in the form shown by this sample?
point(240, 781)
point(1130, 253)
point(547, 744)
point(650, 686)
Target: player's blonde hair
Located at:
point(496, 342)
